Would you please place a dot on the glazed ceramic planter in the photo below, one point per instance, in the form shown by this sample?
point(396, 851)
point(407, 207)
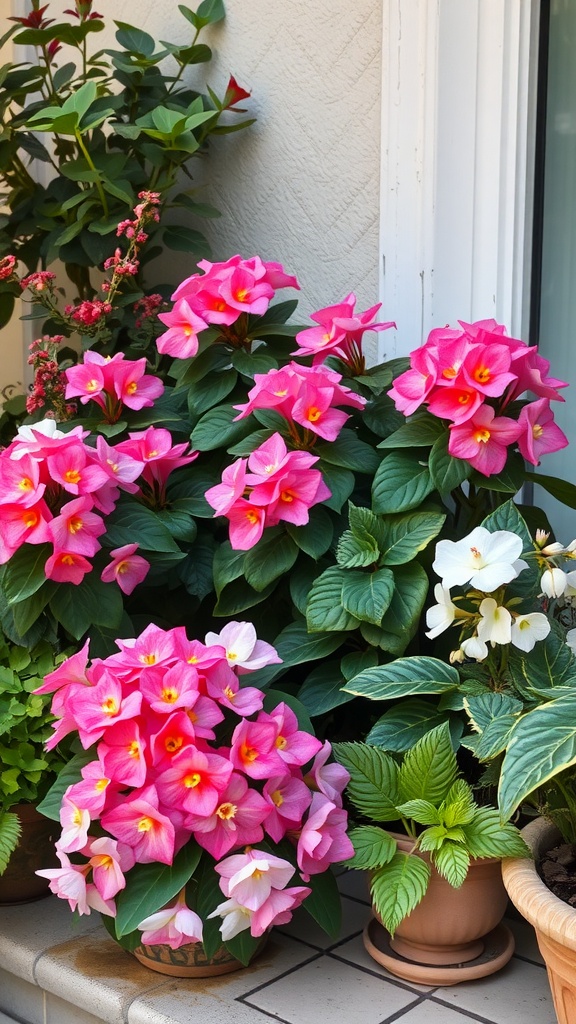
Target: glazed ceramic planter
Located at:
point(554, 921)
point(35, 850)
point(453, 934)
point(188, 961)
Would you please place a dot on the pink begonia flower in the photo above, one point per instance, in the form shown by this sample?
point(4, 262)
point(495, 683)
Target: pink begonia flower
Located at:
point(204, 716)
point(532, 370)
point(138, 823)
point(67, 567)
point(271, 460)
point(181, 338)
point(108, 866)
point(413, 386)
point(102, 707)
point(74, 472)
point(276, 910)
point(236, 821)
point(195, 781)
point(77, 528)
point(483, 440)
point(176, 734)
point(540, 434)
point(20, 481)
point(91, 792)
point(75, 821)
point(154, 646)
point(329, 779)
point(194, 652)
point(69, 883)
point(235, 918)
point(73, 670)
point(243, 649)
point(254, 750)
point(154, 449)
point(313, 409)
point(340, 330)
point(174, 926)
point(20, 524)
point(135, 388)
point(122, 754)
point(247, 523)
point(250, 877)
point(244, 291)
point(167, 689)
point(276, 389)
point(86, 382)
point(294, 746)
point(226, 290)
point(223, 496)
point(323, 840)
point(121, 468)
point(62, 707)
point(455, 403)
point(127, 568)
point(223, 686)
point(486, 368)
point(290, 498)
point(288, 798)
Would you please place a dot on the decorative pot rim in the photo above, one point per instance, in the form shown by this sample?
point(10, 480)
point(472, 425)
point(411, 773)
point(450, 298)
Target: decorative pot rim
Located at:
point(530, 895)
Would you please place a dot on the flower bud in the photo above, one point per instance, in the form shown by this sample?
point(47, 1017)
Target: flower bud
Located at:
point(553, 582)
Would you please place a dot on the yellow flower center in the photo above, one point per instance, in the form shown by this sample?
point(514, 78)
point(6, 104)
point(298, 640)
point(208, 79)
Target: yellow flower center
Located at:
point(147, 659)
point(229, 693)
point(75, 524)
point(482, 435)
point(145, 824)
point(109, 706)
point(248, 753)
point(226, 811)
point(134, 749)
point(173, 743)
point(193, 780)
point(92, 385)
point(482, 374)
point(287, 496)
point(25, 484)
point(101, 784)
point(132, 387)
point(281, 742)
point(313, 414)
point(29, 519)
point(72, 476)
point(537, 430)
point(277, 798)
point(169, 694)
point(252, 516)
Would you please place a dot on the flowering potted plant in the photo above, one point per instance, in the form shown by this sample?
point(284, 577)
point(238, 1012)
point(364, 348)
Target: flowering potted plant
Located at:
point(28, 770)
point(110, 124)
point(197, 801)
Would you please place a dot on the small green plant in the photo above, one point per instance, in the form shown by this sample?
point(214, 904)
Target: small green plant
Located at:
point(437, 811)
point(26, 770)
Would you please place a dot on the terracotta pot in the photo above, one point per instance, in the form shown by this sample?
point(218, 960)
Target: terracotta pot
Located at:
point(450, 928)
point(189, 961)
point(553, 920)
point(35, 850)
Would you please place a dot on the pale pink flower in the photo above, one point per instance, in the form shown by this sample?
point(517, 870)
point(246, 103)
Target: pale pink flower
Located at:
point(107, 865)
point(483, 440)
point(91, 792)
point(330, 779)
point(126, 568)
point(323, 840)
point(103, 706)
point(138, 822)
point(540, 434)
point(181, 338)
point(174, 926)
point(288, 798)
point(236, 821)
point(243, 649)
point(75, 821)
point(249, 877)
point(294, 746)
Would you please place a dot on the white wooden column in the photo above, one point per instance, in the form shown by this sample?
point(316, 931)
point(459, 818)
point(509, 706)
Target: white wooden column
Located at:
point(458, 105)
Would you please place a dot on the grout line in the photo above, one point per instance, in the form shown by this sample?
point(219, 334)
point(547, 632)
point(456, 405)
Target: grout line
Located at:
point(463, 1011)
point(284, 974)
point(527, 960)
point(271, 1016)
point(405, 1009)
point(387, 977)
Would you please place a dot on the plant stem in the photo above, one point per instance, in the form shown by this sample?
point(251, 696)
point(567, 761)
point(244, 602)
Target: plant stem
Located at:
point(92, 167)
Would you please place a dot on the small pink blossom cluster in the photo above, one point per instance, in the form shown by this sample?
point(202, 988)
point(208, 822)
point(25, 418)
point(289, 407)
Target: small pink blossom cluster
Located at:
point(113, 382)
point(306, 397)
point(39, 281)
point(53, 486)
point(219, 296)
point(88, 313)
point(161, 776)
point(48, 390)
point(271, 486)
point(147, 308)
point(469, 377)
point(339, 333)
point(7, 267)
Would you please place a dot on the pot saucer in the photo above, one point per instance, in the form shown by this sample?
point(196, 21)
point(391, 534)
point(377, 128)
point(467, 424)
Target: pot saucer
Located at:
point(498, 948)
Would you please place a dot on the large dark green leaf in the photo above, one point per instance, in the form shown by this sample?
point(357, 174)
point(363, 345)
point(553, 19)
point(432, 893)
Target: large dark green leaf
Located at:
point(149, 887)
point(24, 574)
point(323, 903)
point(401, 483)
point(216, 429)
point(404, 677)
point(324, 610)
point(77, 608)
point(406, 535)
point(132, 523)
point(268, 560)
point(367, 595)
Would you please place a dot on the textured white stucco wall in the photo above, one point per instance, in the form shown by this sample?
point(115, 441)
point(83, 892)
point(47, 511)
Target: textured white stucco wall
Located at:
point(302, 185)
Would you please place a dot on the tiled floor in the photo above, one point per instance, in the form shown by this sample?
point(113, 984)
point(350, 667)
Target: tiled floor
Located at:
point(55, 972)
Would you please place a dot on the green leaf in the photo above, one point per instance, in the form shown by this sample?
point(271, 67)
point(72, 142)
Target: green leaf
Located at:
point(134, 39)
point(216, 429)
point(366, 595)
point(452, 862)
point(406, 535)
point(24, 573)
point(130, 522)
point(487, 836)
point(228, 565)
point(400, 483)
point(509, 481)
point(324, 610)
point(357, 661)
point(373, 786)
point(355, 551)
point(238, 597)
point(398, 888)
point(268, 560)
point(404, 677)
point(421, 811)
point(323, 903)
point(297, 647)
point(183, 239)
point(447, 472)
point(89, 603)
point(562, 490)
point(149, 887)
point(492, 715)
point(429, 768)
point(10, 832)
point(410, 592)
point(70, 773)
point(541, 744)
point(400, 728)
point(373, 847)
point(350, 452)
point(421, 432)
point(322, 690)
point(316, 536)
point(27, 612)
point(340, 483)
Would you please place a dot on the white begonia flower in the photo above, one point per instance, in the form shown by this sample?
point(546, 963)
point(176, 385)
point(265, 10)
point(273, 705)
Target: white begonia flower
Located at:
point(554, 582)
point(235, 918)
point(474, 648)
point(47, 427)
point(571, 640)
point(484, 559)
point(569, 594)
point(440, 615)
point(495, 624)
point(554, 549)
point(528, 629)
